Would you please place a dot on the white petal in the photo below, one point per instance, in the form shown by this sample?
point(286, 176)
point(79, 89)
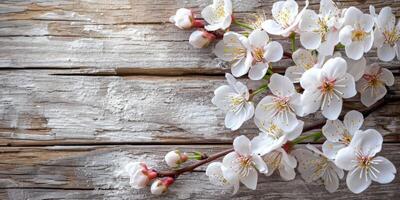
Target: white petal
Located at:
point(327, 47)
point(354, 50)
point(287, 122)
point(234, 120)
point(345, 35)
point(368, 42)
point(333, 130)
point(309, 21)
point(241, 67)
point(287, 173)
point(386, 76)
point(263, 111)
point(356, 67)
point(385, 170)
point(386, 53)
point(258, 71)
point(344, 158)
point(296, 132)
point(368, 142)
point(308, 164)
point(260, 164)
point(250, 181)
point(372, 94)
point(303, 58)
point(352, 16)
point(258, 38)
point(231, 177)
point(330, 149)
point(311, 100)
point(264, 144)
point(310, 40)
point(353, 121)
point(332, 109)
point(310, 78)
point(334, 68)
point(273, 52)
point(272, 27)
point(386, 19)
point(208, 14)
point(356, 182)
point(379, 38)
point(242, 145)
point(215, 175)
point(367, 22)
point(331, 181)
point(249, 107)
point(347, 86)
point(230, 159)
point(281, 85)
point(294, 73)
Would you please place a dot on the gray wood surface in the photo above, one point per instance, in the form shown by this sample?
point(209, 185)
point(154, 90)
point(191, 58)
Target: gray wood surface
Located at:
point(86, 86)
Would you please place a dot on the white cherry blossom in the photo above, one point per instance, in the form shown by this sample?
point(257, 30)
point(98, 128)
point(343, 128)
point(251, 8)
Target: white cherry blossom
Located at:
point(372, 84)
point(215, 174)
point(233, 99)
point(283, 162)
point(183, 18)
point(243, 163)
point(359, 158)
point(139, 174)
point(201, 38)
point(272, 137)
point(218, 15)
point(160, 186)
point(386, 34)
point(356, 34)
point(314, 165)
point(175, 158)
point(339, 134)
point(262, 53)
point(282, 106)
point(324, 88)
point(304, 60)
point(321, 31)
point(234, 48)
point(286, 18)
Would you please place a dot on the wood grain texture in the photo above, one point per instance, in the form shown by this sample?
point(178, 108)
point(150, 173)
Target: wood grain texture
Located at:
point(118, 37)
point(96, 172)
point(42, 109)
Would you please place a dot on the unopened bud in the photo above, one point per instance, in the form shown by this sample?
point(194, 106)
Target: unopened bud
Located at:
point(201, 38)
point(160, 186)
point(175, 158)
point(139, 174)
point(184, 19)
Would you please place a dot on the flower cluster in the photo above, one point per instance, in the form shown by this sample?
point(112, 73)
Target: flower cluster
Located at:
point(328, 69)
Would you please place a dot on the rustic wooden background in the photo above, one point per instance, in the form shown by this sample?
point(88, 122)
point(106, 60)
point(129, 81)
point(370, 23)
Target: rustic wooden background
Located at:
point(87, 85)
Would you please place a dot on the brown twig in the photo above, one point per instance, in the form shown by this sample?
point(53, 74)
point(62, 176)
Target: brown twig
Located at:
point(287, 54)
point(317, 125)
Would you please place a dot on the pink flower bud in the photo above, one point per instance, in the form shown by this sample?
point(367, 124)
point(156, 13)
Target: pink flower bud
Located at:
point(175, 158)
point(160, 186)
point(139, 174)
point(201, 38)
point(184, 19)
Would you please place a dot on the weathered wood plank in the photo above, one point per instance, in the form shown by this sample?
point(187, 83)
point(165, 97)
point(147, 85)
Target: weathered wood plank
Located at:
point(41, 109)
point(115, 36)
point(93, 172)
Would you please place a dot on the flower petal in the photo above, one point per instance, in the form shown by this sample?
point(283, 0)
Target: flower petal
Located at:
point(386, 53)
point(372, 94)
point(234, 120)
point(368, 142)
point(296, 132)
point(258, 38)
point(353, 121)
point(310, 78)
point(345, 35)
point(386, 19)
point(330, 149)
point(258, 71)
point(356, 67)
point(281, 86)
point(367, 22)
point(273, 52)
point(250, 181)
point(242, 145)
point(386, 76)
point(310, 40)
point(384, 170)
point(354, 50)
point(331, 180)
point(311, 100)
point(309, 21)
point(347, 86)
point(344, 158)
point(264, 144)
point(356, 182)
point(272, 27)
point(260, 164)
point(334, 68)
point(221, 98)
point(331, 110)
point(294, 73)
point(352, 16)
point(333, 130)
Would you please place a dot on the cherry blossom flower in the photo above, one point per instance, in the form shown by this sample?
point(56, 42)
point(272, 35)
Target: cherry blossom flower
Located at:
point(372, 84)
point(201, 38)
point(321, 31)
point(160, 186)
point(304, 61)
point(215, 173)
point(234, 48)
point(272, 137)
point(359, 158)
point(338, 135)
point(314, 165)
point(243, 163)
point(281, 107)
point(280, 160)
point(386, 34)
point(218, 15)
point(175, 158)
point(233, 99)
point(183, 18)
point(286, 18)
point(324, 88)
point(356, 34)
point(140, 175)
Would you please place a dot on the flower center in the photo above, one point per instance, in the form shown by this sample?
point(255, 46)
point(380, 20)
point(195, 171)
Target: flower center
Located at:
point(373, 80)
point(391, 37)
point(245, 165)
point(358, 35)
point(274, 131)
point(258, 54)
point(328, 86)
point(364, 161)
point(323, 28)
point(346, 139)
point(273, 160)
point(283, 17)
point(236, 52)
point(220, 11)
point(236, 101)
